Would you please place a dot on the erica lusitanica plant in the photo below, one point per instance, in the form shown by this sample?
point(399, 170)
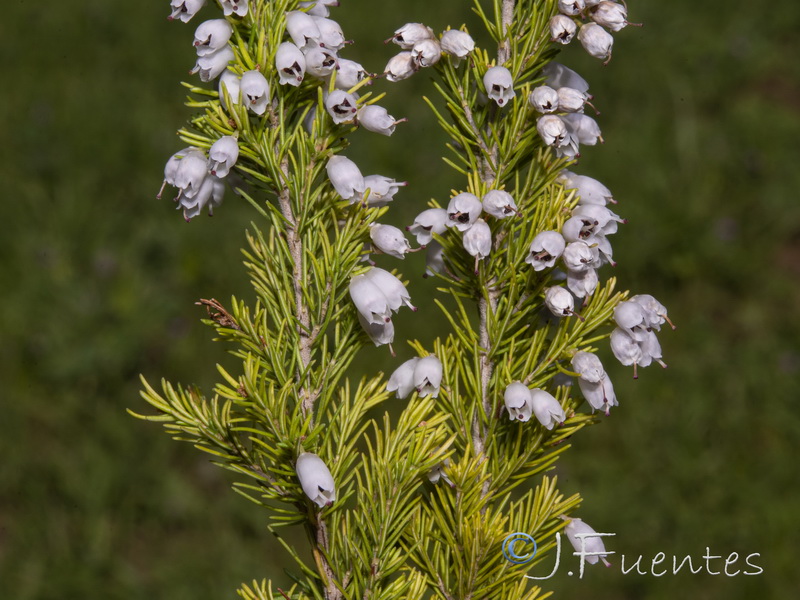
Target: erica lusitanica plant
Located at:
point(418, 504)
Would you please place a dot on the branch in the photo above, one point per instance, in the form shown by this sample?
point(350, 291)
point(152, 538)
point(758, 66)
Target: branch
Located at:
point(507, 16)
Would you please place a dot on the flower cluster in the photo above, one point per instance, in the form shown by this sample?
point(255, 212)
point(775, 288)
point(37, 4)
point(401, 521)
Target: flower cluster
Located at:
point(593, 35)
point(634, 341)
point(522, 402)
point(421, 48)
point(421, 374)
point(376, 294)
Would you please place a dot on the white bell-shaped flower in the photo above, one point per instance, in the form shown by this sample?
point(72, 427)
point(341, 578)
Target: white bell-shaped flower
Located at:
point(557, 76)
point(392, 288)
point(582, 283)
point(579, 257)
point(349, 74)
point(320, 62)
point(588, 190)
point(191, 172)
point(571, 100)
point(211, 36)
point(377, 119)
point(209, 196)
point(611, 15)
point(438, 472)
point(234, 7)
point(319, 8)
point(559, 301)
point(231, 83)
point(625, 348)
point(546, 248)
point(651, 351)
point(315, 479)
point(426, 53)
point(596, 41)
point(341, 106)
point(346, 178)
point(402, 379)
point(572, 8)
point(331, 34)
point(588, 367)
point(576, 229)
point(655, 312)
point(171, 168)
point(478, 241)
point(185, 9)
point(401, 66)
point(428, 376)
point(499, 203)
point(604, 220)
point(222, 155)
point(499, 85)
point(591, 3)
point(562, 29)
point(381, 334)
point(457, 43)
point(593, 381)
point(428, 222)
point(369, 299)
point(544, 99)
point(291, 64)
point(434, 259)
point(518, 401)
point(255, 91)
point(547, 409)
point(590, 547)
point(583, 128)
point(463, 210)
point(303, 30)
point(211, 66)
point(409, 34)
point(389, 240)
point(552, 130)
point(628, 315)
point(381, 189)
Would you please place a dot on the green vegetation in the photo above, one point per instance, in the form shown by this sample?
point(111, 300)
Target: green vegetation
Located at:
point(701, 113)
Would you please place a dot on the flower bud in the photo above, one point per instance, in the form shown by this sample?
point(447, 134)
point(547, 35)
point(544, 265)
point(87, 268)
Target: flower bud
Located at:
point(381, 189)
point(596, 41)
point(546, 248)
point(562, 29)
point(341, 106)
point(463, 210)
point(212, 65)
point(589, 546)
point(331, 34)
point(499, 85)
point(234, 7)
point(559, 301)
point(315, 479)
point(547, 409)
point(303, 30)
point(389, 240)
point(517, 398)
point(346, 178)
point(552, 130)
point(544, 99)
point(211, 36)
point(498, 203)
point(349, 74)
point(428, 222)
point(320, 62)
point(402, 379)
point(560, 76)
point(571, 7)
point(376, 119)
point(428, 376)
point(426, 53)
point(291, 64)
point(185, 9)
point(255, 91)
point(411, 33)
point(457, 43)
point(222, 155)
point(571, 100)
point(402, 66)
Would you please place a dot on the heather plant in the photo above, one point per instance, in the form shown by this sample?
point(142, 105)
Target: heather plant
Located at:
point(420, 504)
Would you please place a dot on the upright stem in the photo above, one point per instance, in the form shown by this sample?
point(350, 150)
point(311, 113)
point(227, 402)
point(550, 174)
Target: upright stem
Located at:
point(506, 17)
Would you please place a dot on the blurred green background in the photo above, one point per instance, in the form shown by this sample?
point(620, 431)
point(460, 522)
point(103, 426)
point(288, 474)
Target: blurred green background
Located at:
point(701, 113)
